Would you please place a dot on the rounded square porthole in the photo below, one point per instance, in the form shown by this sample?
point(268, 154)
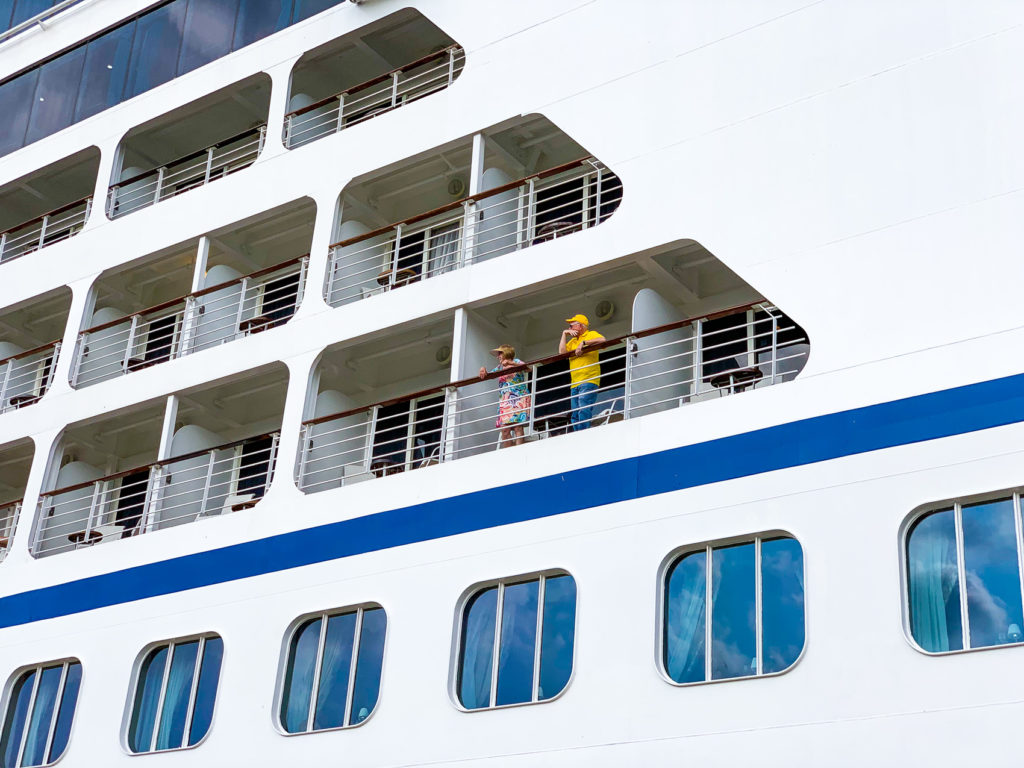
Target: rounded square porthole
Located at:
point(332, 670)
point(39, 711)
point(515, 641)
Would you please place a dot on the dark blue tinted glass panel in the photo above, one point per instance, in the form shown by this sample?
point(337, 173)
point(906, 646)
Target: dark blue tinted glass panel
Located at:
point(66, 713)
point(992, 574)
point(106, 69)
point(209, 27)
point(558, 635)
point(53, 107)
point(147, 695)
point(26, 9)
point(16, 105)
point(6, 7)
point(334, 671)
point(177, 695)
point(42, 716)
point(518, 643)
point(934, 584)
point(14, 721)
point(685, 596)
point(259, 18)
point(782, 603)
point(206, 693)
point(478, 649)
point(306, 8)
point(155, 49)
point(733, 622)
point(298, 681)
point(369, 664)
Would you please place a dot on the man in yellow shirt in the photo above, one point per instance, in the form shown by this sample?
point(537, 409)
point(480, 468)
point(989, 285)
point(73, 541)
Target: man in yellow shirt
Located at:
point(584, 369)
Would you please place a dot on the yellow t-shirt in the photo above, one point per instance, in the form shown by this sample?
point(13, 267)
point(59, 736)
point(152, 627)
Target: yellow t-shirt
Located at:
point(584, 368)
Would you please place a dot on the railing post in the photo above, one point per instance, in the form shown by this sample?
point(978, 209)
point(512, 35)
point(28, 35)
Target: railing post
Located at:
point(209, 165)
point(111, 201)
point(159, 183)
point(627, 392)
point(243, 287)
point(262, 139)
point(151, 502)
point(304, 442)
point(207, 482)
point(371, 429)
point(341, 113)
point(451, 66)
point(53, 367)
point(271, 461)
point(394, 89)
point(597, 198)
point(3, 245)
point(131, 342)
point(76, 364)
point(300, 289)
point(451, 409)
point(468, 232)
point(88, 210)
point(92, 511)
point(3, 387)
point(521, 213)
point(42, 230)
point(188, 326)
point(394, 257)
point(775, 344)
point(698, 355)
point(531, 210)
point(288, 130)
point(533, 399)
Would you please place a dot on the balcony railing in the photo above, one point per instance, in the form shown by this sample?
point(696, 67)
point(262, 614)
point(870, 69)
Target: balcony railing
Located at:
point(374, 97)
point(217, 481)
point(210, 317)
point(50, 228)
point(194, 170)
point(655, 370)
point(25, 377)
point(511, 217)
point(8, 522)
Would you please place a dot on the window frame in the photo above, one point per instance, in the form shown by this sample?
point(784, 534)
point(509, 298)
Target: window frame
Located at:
point(955, 504)
point(129, 710)
point(675, 556)
point(460, 613)
point(5, 702)
point(285, 657)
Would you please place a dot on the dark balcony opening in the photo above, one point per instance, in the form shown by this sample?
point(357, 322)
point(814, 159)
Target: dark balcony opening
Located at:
point(15, 465)
point(30, 341)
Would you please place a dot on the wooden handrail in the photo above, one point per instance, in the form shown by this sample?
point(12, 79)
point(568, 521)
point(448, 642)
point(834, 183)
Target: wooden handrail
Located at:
point(203, 292)
point(185, 158)
point(54, 212)
point(462, 201)
point(29, 352)
point(6, 504)
point(540, 361)
point(379, 79)
point(155, 464)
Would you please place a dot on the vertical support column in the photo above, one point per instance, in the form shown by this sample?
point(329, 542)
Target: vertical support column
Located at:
point(476, 173)
point(45, 464)
point(199, 271)
point(83, 298)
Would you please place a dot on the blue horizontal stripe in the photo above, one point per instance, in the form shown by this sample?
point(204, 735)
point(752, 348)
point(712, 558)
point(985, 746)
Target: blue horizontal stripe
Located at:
point(821, 438)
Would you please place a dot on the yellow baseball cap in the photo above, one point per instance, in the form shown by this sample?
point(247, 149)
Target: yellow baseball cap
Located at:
point(578, 319)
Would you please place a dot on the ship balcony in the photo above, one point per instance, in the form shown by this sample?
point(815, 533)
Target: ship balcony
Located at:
point(93, 500)
point(681, 342)
point(204, 141)
point(515, 210)
point(229, 305)
point(48, 206)
point(377, 69)
point(29, 345)
point(15, 463)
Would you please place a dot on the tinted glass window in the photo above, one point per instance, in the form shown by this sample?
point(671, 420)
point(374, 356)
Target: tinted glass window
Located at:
point(334, 698)
point(306, 8)
point(538, 610)
point(173, 705)
point(53, 107)
point(6, 6)
point(769, 568)
point(967, 552)
point(16, 105)
point(155, 49)
point(259, 18)
point(106, 69)
point(37, 722)
point(26, 9)
point(209, 28)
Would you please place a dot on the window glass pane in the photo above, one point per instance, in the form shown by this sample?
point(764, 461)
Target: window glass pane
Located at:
point(259, 18)
point(558, 635)
point(992, 576)
point(17, 714)
point(933, 582)
point(334, 670)
point(42, 716)
point(147, 694)
point(298, 681)
point(369, 664)
point(15, 106)
point(54, 103)
point(6, 6)
point(733, 644)
point(176, 697)
point(155, 49)
point(518, 643)
point(206, 693)
point(306, 8)
point(684, 619)
point(106, 68)
point(26, 9)
point(208, 30)
point(477, 649)
point(782, 603)
point(66, 713)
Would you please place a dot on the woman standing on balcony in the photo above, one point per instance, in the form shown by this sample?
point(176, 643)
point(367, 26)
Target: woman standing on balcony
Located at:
point(514, 396)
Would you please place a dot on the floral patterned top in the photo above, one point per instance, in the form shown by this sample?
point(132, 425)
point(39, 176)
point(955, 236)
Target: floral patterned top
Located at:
point(514, 396)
